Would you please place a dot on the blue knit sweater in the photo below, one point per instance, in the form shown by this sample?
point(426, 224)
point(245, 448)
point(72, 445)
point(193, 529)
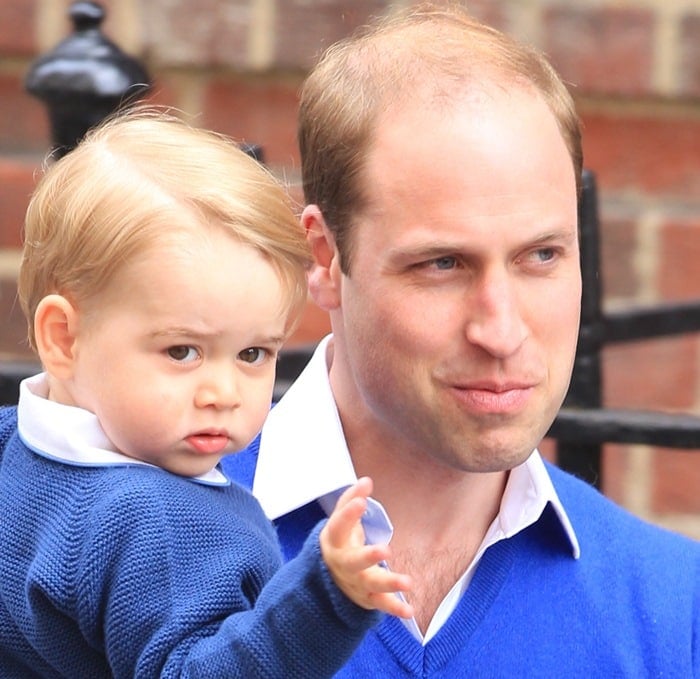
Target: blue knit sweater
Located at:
point(135, 572)
point(628, 607)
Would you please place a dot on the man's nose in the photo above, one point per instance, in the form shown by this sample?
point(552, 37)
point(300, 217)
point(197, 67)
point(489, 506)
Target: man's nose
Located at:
point(496, 322)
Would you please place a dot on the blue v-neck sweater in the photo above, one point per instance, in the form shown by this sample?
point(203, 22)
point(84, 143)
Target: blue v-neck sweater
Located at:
point(129, 571)
point(628, 607)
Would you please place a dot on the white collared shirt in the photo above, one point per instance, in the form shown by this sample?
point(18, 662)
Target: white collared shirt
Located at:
point(283, 481)
point(73, 435)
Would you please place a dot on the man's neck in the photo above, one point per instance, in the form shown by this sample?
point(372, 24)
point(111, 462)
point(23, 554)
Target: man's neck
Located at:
point(440, 514)
point(440, 517)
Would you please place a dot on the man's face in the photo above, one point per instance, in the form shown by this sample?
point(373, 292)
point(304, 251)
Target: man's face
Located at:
point(457, 324)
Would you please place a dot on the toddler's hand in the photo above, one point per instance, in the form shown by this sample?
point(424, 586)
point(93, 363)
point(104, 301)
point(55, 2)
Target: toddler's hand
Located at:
point(355, 566)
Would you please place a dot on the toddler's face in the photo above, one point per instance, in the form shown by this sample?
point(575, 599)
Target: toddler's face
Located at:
point(177, 358)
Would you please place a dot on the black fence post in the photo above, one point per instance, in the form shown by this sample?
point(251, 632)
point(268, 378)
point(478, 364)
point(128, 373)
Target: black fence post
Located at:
point(585, 391)
point(583, 425)
point(84, 79)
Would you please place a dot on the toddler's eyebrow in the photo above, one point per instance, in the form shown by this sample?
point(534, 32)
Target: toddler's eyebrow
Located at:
point(182, 330)
point(189, 332)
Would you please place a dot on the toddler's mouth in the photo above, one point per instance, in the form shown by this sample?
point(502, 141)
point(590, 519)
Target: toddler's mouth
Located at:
point(208, 443)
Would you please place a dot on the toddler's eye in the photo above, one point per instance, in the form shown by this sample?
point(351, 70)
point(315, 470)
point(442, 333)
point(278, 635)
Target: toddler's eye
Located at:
point(253, 355)
point(183, 353)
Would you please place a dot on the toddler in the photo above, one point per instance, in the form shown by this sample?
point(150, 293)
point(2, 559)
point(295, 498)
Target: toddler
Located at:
point(162, 271)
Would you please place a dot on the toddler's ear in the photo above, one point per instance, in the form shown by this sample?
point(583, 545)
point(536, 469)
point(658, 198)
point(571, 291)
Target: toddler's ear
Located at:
point(55, 328)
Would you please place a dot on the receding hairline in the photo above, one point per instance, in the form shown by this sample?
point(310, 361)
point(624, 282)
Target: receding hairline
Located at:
point(419, 56)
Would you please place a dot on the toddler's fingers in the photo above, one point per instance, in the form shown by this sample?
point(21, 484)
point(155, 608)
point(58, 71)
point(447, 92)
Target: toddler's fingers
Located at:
point(378, 579)
point(391, 604)
point(361, 488)
point(347, 514)
point(342, 522)
point(364, 557)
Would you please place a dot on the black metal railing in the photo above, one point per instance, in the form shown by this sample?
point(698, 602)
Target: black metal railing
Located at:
point(582, 425)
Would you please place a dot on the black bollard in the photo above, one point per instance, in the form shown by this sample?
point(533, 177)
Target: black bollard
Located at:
point(84, 79)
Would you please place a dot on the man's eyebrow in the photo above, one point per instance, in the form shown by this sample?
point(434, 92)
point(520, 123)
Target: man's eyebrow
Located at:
point(426, 249)
point(445, 248)
point(564, 234)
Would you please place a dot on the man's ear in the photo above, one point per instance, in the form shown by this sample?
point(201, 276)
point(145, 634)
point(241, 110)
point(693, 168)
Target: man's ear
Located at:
point(55, 329)
point(325, 274)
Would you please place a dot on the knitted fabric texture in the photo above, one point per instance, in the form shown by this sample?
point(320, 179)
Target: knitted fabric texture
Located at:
point(135, 572)
point(628, 607)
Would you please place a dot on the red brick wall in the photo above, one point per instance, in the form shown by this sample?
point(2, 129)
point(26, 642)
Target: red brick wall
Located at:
point(634, 69)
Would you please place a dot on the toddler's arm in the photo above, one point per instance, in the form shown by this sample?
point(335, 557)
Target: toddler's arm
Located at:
point(355, 566)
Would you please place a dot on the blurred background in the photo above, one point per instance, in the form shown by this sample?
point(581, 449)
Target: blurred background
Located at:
point(634, 70)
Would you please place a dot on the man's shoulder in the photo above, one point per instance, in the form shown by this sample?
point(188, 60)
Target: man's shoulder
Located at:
point(600, 522)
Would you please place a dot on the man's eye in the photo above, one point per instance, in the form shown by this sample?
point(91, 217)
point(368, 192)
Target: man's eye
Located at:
point(444, 263)
point(253, 355)
point(183, 353)
point(545, 254)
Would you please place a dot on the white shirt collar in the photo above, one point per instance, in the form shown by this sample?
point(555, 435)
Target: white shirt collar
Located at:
point(290, 476)
point(73, 435)
point(283, 481)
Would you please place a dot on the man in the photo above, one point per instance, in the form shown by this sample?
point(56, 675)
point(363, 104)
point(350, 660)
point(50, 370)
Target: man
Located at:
point(441, 164)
